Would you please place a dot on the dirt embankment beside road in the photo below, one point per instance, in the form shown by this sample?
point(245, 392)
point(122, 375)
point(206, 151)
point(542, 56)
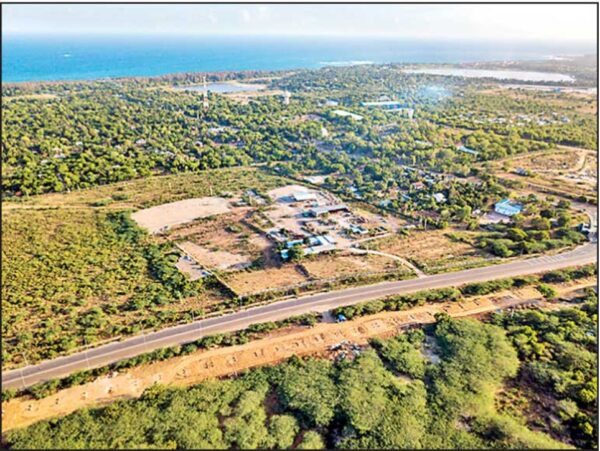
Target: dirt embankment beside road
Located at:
point(278, 346)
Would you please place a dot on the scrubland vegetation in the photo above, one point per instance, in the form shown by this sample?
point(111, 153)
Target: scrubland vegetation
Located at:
point(409, 401)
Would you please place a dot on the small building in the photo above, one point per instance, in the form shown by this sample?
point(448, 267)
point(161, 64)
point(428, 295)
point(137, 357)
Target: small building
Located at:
point(439, 197)
point(331, 103)
point(467, 150)
point(420, 143)
point(389, 105)
point(302, 196)
point(521, 171)
point(508, 208)
point(292, 243)
point(359, 230)
point(384, 105)
point(276, 235)
point(418, 185)
point(316, 179)
point(318, 249)
point(320, 211)
point(584, 228)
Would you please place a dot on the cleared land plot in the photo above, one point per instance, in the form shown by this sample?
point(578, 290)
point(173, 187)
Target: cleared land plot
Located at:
point(330, 266)
point(569, 170)
point(222, 242)
point(164, 216)
point(564, 159)
point(246, 282)
point(214, 259)
point(431, 250)
point(246, 96)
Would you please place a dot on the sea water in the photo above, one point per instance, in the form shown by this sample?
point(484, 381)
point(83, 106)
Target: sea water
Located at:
point(73, 57)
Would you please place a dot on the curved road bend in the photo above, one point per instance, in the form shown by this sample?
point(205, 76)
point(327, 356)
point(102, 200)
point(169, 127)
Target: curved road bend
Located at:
point(186, 333)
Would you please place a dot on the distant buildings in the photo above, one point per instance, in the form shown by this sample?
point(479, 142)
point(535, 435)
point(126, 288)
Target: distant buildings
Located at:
point(359, 230)
point(314, 245)
point(320, 211)
point(439, 197)
point(316, 179)
point(508, 208)
point(467, 150)
point(302, 196)
point(286, 98)
point(390, 105)
point(343, 113)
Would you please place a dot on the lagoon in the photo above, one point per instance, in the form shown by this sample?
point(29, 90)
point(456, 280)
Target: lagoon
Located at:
point(496, 74)
point(222, 88)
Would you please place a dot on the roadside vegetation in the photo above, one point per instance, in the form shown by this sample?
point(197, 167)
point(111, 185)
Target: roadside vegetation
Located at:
point(556, 386)
point(409, 402)
point(256, 331)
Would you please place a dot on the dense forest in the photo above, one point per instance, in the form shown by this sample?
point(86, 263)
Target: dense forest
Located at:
point(439, 389)
point(65, 136)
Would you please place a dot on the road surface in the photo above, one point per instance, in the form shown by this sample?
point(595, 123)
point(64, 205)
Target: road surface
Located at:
point(113, 352)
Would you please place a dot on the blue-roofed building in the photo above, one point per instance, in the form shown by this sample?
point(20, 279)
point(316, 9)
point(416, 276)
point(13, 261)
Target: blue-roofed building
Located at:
point(508, 208)
point(291, 244)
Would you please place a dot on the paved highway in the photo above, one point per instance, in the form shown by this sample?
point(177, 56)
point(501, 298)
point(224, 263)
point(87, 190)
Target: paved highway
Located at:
point(186, 333)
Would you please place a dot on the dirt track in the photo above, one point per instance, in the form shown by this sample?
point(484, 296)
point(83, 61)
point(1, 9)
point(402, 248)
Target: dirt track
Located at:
point(196, 367)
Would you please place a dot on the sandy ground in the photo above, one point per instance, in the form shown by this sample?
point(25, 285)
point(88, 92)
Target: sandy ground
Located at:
point(254, 281)
point(223, 242)
point(429, 250)
point(327, 266)
point(189, 267)
point(246, 96)
point(201, 365)
point(168, 215)
point(214, 259)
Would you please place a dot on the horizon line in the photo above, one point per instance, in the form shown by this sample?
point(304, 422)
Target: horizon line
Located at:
point(6, 34)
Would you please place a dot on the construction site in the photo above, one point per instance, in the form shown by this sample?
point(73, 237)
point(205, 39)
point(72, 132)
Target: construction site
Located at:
point(253, 239)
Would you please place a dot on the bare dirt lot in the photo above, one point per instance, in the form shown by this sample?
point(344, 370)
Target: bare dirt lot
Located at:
point(278, 346)
point(571, 171)
point(430, 250)
point(224, 242)
point(329, 266)
point(246, 96)
point(163, 216)
point(246, 282)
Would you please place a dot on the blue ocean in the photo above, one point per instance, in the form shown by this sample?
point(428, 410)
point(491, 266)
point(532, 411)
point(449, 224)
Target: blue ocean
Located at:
point(73, 57)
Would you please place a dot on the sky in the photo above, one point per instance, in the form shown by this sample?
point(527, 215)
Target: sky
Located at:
point(548, 22)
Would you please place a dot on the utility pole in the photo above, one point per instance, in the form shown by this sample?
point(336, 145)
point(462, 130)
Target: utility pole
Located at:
point(205, 96)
